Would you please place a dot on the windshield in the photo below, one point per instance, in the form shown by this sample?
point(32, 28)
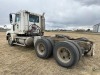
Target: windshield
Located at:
point(34, 18)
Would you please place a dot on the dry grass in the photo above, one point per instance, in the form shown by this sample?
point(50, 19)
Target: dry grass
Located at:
point(23, 61)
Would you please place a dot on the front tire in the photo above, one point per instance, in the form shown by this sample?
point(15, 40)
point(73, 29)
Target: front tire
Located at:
point(10, 41)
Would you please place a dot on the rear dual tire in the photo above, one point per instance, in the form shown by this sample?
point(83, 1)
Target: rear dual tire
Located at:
point(78, 47)
point(43, 48)
point(66, 54)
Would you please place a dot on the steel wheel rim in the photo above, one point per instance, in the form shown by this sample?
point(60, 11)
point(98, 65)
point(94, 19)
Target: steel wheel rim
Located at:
point(41, 48)
point(64, 54)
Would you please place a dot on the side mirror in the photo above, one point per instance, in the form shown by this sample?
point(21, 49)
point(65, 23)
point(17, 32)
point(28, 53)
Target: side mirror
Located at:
point(10, 18)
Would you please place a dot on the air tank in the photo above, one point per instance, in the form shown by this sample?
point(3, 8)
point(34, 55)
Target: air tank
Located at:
point(27, 41)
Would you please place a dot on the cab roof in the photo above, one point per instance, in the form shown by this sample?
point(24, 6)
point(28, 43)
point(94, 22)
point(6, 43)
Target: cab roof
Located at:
point(25, 11)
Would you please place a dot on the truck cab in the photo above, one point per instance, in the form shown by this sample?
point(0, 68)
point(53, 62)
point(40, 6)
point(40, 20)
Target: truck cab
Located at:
point(25, 26)
point(23, 22)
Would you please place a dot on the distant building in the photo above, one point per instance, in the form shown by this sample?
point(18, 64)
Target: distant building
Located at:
point(96, 28)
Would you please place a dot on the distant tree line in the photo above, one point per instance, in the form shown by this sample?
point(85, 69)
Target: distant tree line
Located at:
point(83, 30)
point(3, 29)
point(78, 30)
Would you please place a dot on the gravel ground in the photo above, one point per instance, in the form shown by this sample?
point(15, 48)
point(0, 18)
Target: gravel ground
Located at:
point(19, 60)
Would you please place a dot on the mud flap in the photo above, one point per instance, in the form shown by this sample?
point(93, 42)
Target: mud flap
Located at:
point(91, 52)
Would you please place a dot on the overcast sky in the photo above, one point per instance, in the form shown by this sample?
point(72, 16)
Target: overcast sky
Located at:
point(68, 14)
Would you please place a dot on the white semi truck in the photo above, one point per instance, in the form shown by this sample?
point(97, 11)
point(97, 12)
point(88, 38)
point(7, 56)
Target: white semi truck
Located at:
point(28, 30)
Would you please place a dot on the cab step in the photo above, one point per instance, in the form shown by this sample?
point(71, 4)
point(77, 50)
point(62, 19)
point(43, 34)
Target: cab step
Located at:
point(19, 44)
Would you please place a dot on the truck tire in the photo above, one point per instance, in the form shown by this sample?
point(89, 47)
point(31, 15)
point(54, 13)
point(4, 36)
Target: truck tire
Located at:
point(79, 49)
point(66, 54)
point(43, 48)
point(51, 41)
point(10, 41)
point(52, 44)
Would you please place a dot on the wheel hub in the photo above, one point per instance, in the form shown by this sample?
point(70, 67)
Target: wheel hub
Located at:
point(64, 54)
point(41, 48)
point(10, 41)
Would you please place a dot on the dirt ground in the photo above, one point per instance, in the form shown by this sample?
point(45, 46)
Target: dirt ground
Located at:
point(19, 60)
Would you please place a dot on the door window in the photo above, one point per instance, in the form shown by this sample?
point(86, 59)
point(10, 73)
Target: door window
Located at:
point(17, 18)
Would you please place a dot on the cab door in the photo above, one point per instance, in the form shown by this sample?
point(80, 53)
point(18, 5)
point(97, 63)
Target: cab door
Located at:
point(17, 23)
